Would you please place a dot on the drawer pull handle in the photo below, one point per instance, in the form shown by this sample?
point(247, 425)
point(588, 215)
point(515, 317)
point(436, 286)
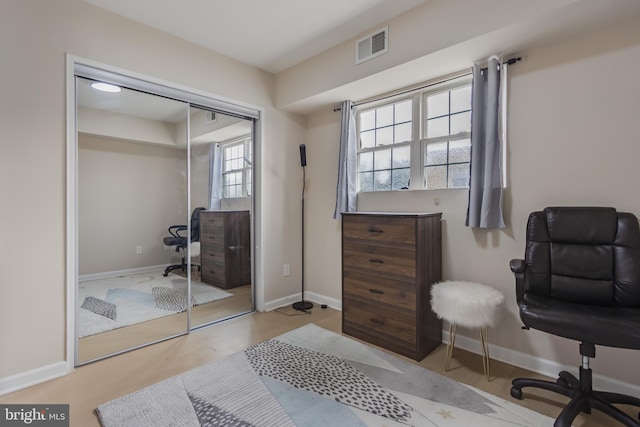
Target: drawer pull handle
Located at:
point(373, 229)
point(375, 291)
point(376, 261)
point(377, 322)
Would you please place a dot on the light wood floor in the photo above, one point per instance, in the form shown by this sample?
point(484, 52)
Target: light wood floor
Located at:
point(93, 384)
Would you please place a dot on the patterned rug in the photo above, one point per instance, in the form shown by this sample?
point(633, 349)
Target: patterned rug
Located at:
point(313, 377)
point(112, 303)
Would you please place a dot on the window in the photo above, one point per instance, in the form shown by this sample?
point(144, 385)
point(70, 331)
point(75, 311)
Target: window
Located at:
point(420, 142)
point(236, 169)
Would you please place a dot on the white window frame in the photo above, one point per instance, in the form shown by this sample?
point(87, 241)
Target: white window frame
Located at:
point(419, 141)
point(246, 170)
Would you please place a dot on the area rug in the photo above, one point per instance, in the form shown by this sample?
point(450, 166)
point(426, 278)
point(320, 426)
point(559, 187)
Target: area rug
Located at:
point(313, 377)
point(107, 304)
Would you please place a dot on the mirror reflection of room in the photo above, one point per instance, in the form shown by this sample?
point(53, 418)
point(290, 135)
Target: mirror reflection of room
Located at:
point(220, 153)
point(135, 284)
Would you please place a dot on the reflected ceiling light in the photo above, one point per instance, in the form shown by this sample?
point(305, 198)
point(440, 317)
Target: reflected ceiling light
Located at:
point(105, 87)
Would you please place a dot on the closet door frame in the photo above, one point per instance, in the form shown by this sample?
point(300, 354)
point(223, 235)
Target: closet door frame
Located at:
point(77, 66)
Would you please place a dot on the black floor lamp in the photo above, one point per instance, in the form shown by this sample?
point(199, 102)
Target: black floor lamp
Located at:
point(303, 305)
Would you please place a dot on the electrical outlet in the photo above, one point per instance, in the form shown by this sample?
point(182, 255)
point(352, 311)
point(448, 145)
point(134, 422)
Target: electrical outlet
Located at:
point(286, 269)
point(138, 250)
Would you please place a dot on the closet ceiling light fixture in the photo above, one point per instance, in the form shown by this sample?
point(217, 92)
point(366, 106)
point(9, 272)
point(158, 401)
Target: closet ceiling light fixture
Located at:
point(105, 87)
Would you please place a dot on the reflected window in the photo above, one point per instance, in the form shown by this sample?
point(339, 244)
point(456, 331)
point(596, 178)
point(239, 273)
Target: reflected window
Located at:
point(236, 169)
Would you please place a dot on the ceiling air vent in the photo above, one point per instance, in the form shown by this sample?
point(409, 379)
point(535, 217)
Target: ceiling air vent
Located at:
point(211, 117)
point(372, 45)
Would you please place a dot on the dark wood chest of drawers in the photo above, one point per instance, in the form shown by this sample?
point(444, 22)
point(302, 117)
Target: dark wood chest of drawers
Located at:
point(225, 248)
point(389, 263)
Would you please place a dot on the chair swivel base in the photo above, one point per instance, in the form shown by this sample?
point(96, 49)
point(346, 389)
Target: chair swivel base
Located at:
point(174, 267)
point(583, 397)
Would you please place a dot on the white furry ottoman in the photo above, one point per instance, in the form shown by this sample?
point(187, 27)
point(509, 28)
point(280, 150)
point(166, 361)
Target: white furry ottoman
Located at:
point(470, 305)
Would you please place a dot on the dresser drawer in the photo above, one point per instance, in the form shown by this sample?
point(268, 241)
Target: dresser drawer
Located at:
point(210, 219)
point(380, 229)
point(212, 235)
point(394, 263)
point(380, 326)
point(388, 293)
point(213, 273)
point(212, 253)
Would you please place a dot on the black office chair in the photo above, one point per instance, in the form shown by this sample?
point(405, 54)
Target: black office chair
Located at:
point(178, 239)
point(580, 279)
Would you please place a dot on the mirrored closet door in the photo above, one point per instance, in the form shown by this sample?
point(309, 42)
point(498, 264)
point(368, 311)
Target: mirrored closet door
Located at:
point(164, 217)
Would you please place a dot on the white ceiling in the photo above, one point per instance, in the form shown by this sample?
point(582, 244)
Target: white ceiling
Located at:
point(269, 34)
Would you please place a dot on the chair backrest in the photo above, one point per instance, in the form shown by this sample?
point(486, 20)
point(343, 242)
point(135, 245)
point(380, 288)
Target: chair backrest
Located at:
point(587, 255)
point(195, 224)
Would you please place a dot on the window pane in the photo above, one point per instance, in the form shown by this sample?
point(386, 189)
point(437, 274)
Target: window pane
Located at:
point(366, 181)
point(460, 151)
point(459, 176)
point(438, 105)
point(403, 111)
point(382, 181)
point(460, 122)
point(382, 159)
point(402, 132)
point(384, 136)
point(365, 162)
point(368, 120)
point(368, 139)
point(436, 177)
point(384, 116)
point(400, 178)
point(436, 154)
point(438, 127)
point(401, 157)
point(461, 99)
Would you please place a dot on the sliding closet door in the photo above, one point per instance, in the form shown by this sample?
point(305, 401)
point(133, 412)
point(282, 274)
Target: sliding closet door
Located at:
point(132, 187)
point(221, 183)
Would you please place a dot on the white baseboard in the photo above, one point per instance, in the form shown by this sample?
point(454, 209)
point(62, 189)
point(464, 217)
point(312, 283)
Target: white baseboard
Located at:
point(33, 377)
point(110, 274)
point(539, 365)
point(309, 296)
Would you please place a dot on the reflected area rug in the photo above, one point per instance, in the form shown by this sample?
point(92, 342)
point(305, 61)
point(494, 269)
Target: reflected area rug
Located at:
point(112, 303)
point(313, 377)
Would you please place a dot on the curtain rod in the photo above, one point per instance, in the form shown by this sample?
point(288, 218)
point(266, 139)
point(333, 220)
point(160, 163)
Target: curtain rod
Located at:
point(508, 62)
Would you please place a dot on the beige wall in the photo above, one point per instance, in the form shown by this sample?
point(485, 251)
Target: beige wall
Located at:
point(129, 193)
point(35, 37)
point(574, 109)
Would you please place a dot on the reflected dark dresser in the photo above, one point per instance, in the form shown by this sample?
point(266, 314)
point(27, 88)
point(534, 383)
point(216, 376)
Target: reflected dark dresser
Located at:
point(225, 248)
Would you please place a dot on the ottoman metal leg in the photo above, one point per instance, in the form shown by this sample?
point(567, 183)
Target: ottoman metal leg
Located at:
point(485, 351)
point(450, 345)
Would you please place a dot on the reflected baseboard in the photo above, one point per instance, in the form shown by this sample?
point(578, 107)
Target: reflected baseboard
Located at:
point(109, 274)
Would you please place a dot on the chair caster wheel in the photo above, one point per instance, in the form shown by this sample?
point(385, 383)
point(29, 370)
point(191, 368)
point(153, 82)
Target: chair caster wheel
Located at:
point(516, 393)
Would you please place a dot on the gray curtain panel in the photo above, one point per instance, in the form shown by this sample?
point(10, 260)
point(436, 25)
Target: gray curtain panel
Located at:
point(485, 185)
point(215, 176)
point(346, 191)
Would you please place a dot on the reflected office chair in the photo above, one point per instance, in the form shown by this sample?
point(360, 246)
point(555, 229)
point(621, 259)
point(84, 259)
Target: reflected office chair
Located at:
point(178, 238)
point(580, 280)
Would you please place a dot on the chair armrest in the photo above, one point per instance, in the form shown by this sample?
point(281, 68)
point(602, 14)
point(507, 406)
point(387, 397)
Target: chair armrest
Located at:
point(517, 266)
point(175, 230)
